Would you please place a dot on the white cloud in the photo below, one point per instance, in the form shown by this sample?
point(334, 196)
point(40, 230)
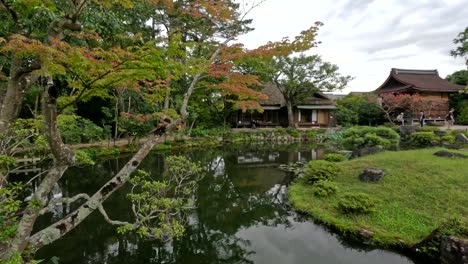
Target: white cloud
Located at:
point(366, 38)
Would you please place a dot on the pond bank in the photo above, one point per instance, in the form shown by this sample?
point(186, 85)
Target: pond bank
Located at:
point(419, 193)
point(209, 139)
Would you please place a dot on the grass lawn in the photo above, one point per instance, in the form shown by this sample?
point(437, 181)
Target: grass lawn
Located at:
point(418, 193)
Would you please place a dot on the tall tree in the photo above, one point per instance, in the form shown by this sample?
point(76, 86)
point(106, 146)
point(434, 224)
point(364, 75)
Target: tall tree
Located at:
point(462, 41)
point(299, 77)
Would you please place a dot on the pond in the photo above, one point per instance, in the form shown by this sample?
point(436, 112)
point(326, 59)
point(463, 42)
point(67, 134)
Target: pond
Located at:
point(242, 216)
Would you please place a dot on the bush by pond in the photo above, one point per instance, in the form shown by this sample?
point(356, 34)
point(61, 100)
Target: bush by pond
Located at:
point(356, 203)
point(325, 188)
point(317, 170)
point(363, 136)
point(334, 157)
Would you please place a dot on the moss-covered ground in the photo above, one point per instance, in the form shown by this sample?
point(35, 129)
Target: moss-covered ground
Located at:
point(419, 192)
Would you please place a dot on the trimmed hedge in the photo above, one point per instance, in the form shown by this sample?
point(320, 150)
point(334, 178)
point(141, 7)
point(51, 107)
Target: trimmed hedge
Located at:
point(364, 136)
point(317, 170)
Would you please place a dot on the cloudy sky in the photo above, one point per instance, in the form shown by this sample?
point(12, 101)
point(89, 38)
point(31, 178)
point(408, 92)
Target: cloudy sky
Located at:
point(366, 38)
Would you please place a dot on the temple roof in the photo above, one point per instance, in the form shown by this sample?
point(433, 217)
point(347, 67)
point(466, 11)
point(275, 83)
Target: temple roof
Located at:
point(401, 80)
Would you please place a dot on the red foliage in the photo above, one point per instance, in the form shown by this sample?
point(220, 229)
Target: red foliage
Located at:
point(391, 104)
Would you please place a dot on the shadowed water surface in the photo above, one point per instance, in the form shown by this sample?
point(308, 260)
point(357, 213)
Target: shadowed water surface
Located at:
point(241, 216)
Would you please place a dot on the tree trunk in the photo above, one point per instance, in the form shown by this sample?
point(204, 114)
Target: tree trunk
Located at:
point(63, 157)
point(14, 94)
point(183, 108)
point(289, 106)
point(167, 96)
point(62, 227)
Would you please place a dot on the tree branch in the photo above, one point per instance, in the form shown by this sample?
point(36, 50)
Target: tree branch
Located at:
point(65, 225)
point(12, 13)
point(65, 200)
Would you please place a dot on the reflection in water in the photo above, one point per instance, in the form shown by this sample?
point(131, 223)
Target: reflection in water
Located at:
point(241, 217)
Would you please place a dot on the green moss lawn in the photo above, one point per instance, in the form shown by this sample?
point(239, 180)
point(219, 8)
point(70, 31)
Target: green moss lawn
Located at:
point(418, 193)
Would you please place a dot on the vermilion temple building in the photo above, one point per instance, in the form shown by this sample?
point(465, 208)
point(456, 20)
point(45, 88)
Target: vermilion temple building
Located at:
point(426, 83)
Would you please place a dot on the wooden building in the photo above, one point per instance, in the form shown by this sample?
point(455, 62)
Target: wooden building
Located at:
point(313, 111)
point(426, 83)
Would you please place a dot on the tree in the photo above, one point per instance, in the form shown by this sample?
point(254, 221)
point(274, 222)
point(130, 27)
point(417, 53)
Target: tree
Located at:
point(459, 101)
point(63, 53)
point(393, 104)
point(359, 110)
point(299, 77)
point(462, 49)
point(85, 69)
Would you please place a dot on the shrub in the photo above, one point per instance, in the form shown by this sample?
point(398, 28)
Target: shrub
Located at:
point(319, 170)
point(334, 157)
point(430, 129)
point(76, 129)
point(462, 119)
point(208, 132)
point(315, 132)
point(293, 132)
point(458, 131)
point(325, 188)
point(423, 138)
point(448, 139)
point(356, 203)
point(363, 136)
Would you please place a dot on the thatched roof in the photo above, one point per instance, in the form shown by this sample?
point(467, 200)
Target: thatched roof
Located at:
point(275, 97)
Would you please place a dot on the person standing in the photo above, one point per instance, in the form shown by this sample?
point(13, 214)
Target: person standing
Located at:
point(422, 116)
point(401, 118)
point(450, 118)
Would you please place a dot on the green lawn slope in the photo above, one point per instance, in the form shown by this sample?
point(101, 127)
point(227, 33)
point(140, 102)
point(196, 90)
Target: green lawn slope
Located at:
point(419, 192)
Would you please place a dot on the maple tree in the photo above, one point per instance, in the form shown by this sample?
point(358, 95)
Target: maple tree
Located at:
point(393, 104)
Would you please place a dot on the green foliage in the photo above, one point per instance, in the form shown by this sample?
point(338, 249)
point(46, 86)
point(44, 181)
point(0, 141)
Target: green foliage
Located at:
point(302, 76)
point(447, 139)
point(459, 77)
point(6, 163)
point(75, 129)
point(462, 118)
point(462, 45)
point(345, 116)
point(334, 157)
point(96, 153)
point(423, 139)
point(317, 170)
point(296, 168)
point(359, 110)
point(293, 132)
point(313, 133)
point(200, 131)
point(409, 207)
point(359, 137)
point(324, 188)
point(10, 205)
point(162, 207)
point(455, 226)
point(455, 132)
point(83, 158)
point(430, 129)
point(356, 203)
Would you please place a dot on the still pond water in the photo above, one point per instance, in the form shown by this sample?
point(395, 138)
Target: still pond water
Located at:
point(242, 216)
